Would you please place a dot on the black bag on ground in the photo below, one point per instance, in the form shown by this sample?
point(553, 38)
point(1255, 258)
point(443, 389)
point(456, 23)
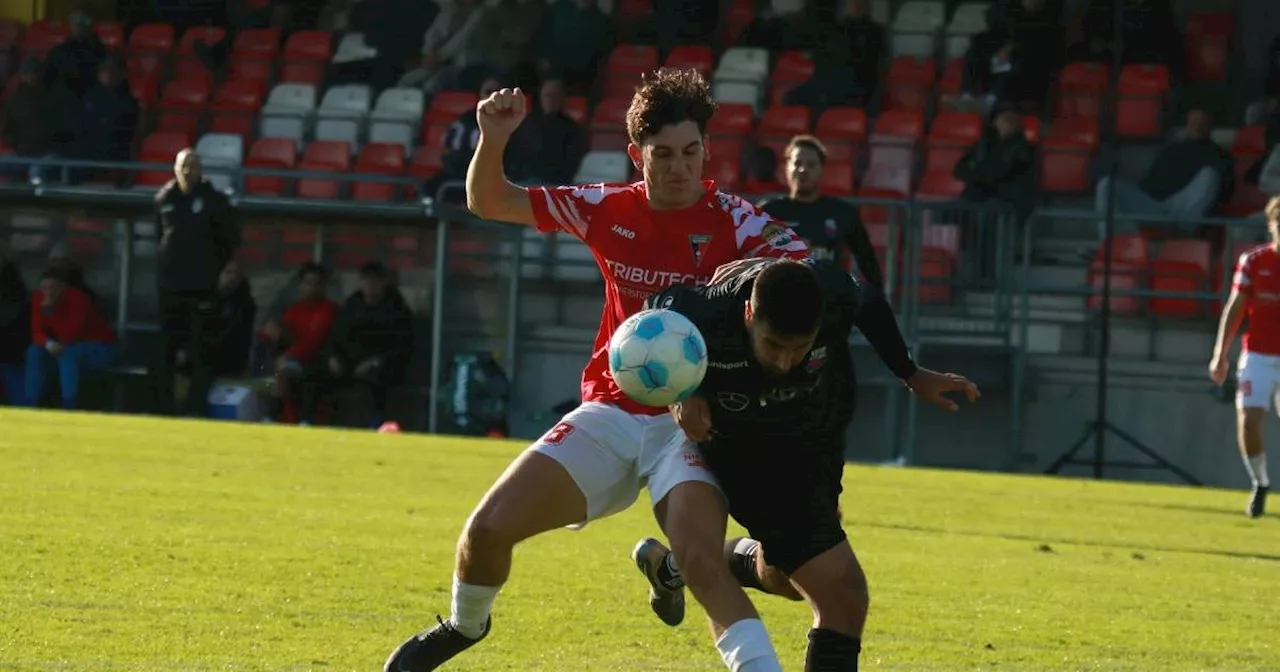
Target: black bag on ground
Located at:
point(477, 396)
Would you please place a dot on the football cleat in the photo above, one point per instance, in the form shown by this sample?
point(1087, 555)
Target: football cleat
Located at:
point(432, 648)
point(666, 603)
point(1258, 502)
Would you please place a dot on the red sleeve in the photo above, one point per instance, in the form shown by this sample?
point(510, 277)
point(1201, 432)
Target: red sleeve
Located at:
point(70, 316)
point(573, 210)
point(1241, 283)
point(313, 332)
point(760, 235)
point(37, 319)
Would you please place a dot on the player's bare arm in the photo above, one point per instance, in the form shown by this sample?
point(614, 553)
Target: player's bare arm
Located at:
point(1228, 326)
point(489, 194)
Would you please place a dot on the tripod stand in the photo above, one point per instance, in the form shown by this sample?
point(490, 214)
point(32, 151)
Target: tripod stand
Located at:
point(1099, 426)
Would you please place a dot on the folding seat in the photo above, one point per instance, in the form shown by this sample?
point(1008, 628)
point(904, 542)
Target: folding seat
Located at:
point(952, 79)
point(352, 48)
point(185, 62)
point(625, 66)
point(746, 93)
point(1181, 266)
point(221, 154)
point(351, 250)
point(732, 120)
point(1208, 38)
point(609, 125)
point(326, 156)
point(909, 85)
point(793, 69)
point(286, 128)
point(348, 101)
point(952, 134)
point(393, 132)
point(377, 158)
point(306, 55)
point(235, 107)
point(576, 108)
point(916, 28)
point(1066, 156)
point(603, 167)
point(149, 47)
point(779, 124)
point(111, 33)
point(743, 64)
point(1082, 88)
point(939, 186)
point(844, 131)
point(740, 15)
point(341, 130)
point(291, 100)
point(969, 20)
point(253, 54)
point(271, 154)
point(723, 169)
point(182, 104)
point(399, 104)
point(161, 148)
point(1140, 110)
point(837, 178)
point(447, 106)
point(1130, 255)
point(891, 165)
point(698, 57)
point(144, 87)
point(427, 161)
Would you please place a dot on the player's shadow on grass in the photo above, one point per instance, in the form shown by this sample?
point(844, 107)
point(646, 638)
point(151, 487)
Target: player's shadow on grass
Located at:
point(1077, 542)
point(1216, 510)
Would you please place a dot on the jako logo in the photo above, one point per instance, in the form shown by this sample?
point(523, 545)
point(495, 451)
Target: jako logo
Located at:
point(625, 233)
point(728, 366)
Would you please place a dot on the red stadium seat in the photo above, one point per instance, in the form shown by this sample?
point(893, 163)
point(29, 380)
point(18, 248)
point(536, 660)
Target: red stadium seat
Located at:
point(162, 148)
point(235, 107)
point(877, 213)
point(783, 121)
point(633, 11)
point(1130, 256)
point(609, 125)
point(632, 58)
point(741, 14)
point(352, 250)
point(447, 106)
point(427, 161)
point(185, 61)
point(151, 38)
point(42, 36)
point(1066, 156)
point(1208, 38)
point(900, 125)
point(145, 89)
point(575, 107)
point(838, 179)
point(378, 158)
point(732, 119)
point(111, 33)
point(910, 84)
point(1181, 266)
point(1140, 110)
point(1250, 141)
point(182, 104)
point(273, 154)
point(939, 249)
point(434, 134)
point(299, 243)
point(723, 169)
point(253, 53)
point(1031, 128)
point(306, 54)
point(952, 77)
point(1081, 89)
point(843, 130)
point(329, 156)
point(793, 69)
point(951, 136)
point(939, 186)
point(697, 57)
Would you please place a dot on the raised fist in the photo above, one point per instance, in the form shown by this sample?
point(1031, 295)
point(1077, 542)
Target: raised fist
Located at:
point(500, 114)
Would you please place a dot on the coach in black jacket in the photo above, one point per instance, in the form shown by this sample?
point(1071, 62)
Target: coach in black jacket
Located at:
point(372, 341)
point(198, 236)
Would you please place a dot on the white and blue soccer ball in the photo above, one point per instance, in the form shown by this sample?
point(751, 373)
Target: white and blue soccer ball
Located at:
point(658, 357)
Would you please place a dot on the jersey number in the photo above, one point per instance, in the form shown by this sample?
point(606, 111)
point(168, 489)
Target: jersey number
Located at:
point(556, 435)
point(1246, 388)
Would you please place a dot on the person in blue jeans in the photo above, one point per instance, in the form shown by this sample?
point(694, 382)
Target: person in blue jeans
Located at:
point(67, 328)
point(15, 333)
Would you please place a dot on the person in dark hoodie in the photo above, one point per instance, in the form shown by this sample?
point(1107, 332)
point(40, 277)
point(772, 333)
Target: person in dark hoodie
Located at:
point(37, 119)
point(15, 332)
point(372, 339)
point(846, 60)
point(460, 144)
point(108, 118)
point(999, 170)
point(74, 63)
point(1187, 180)
point(233, 334)
point(198, 237)
point(546, 148)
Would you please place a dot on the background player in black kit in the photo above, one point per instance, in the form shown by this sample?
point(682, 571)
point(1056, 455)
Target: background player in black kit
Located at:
point(832, 227)
point(768, 421)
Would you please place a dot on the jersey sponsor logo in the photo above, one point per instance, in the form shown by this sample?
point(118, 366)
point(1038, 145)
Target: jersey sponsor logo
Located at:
point(650, 277)
point(625, 233)
point(728, 366)
point(556, 435)
point(733, 402)
point(695, 459)
point(698, 242)
point(776, 235)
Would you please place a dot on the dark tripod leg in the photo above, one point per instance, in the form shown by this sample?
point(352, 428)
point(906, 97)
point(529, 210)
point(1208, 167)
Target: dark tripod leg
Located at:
point(1151, 453)
point(1066, 457)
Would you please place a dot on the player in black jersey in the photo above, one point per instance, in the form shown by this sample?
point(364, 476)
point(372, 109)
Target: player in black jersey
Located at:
point(832, 227)
point(768, 420)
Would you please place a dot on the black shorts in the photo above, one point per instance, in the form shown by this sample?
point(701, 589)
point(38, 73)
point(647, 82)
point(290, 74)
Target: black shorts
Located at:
point(785, 491)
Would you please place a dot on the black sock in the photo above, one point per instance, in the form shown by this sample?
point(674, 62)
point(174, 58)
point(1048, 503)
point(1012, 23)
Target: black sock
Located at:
point(743, 564)
point(830, 651)
point(668, 574)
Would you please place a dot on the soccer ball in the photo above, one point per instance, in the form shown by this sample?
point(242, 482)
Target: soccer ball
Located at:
point(658, 357)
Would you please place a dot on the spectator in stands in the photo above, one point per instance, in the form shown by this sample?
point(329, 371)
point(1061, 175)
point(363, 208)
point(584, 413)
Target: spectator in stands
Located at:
point(846, 60)
point(1188, 178)
point(63, 261)
point(69, 330)
point(393, 31)
point(74, 63)
point(198, 237)
point(832, 227)
point(278, 14)
point(15, 332)
point(37, 119)
point(1016, 57)
point(459, 143)
point(782, 25)
point(546, 148)
point(451, 44)
point(1000, 171)
point(299, 345)
point(237, 313)
point(108, 118)
point(505, 38)
point(680, 22)
point(1148, 34)
point(372, 339)
point(574, 38)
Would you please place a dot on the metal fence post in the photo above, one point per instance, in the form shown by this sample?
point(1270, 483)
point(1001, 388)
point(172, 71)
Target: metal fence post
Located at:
point(437, 322)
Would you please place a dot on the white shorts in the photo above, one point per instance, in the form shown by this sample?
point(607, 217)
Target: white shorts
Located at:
point(1257, 380)
point(611, 453)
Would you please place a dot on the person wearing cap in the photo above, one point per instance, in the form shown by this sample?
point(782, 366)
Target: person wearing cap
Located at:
point(38, 119)
point(198, 236)
point(73, 64)
point(372, 340)
point(108, 117)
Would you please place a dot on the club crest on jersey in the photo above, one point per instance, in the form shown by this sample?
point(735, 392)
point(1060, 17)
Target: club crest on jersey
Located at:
point(776, 235)
point(698, 242)
point(733, 401)
point(817, 357)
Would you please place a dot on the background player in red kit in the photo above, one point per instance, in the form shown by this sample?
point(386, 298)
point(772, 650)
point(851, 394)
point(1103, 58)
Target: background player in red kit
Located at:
point(671, 228)
point(1255, 294)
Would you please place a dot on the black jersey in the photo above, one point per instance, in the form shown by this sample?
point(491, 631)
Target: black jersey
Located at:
point(829, 225)
point(815, 396)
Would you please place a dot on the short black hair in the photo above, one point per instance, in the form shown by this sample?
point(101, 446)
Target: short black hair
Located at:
point(788, 298)
point(374, 269)
point(313, 267)
point(807, 142)
point(667, 97)
point(55, 274)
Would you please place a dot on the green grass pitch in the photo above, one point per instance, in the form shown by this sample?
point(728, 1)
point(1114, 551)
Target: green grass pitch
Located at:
point(140, 544)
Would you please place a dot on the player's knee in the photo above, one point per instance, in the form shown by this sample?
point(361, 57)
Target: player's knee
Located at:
point(491, 525)
point(700, 564)
point(1250, 419)
point(776, 582)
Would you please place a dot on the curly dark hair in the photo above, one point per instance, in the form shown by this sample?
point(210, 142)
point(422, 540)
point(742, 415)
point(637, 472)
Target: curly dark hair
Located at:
point(666, 97)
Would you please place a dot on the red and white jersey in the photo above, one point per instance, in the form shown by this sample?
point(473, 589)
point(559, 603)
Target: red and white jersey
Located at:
point(642, 251)
point(1257, 279)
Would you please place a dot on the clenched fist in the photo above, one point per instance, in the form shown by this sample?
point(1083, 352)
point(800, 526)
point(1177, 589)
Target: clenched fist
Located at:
point(500, 114)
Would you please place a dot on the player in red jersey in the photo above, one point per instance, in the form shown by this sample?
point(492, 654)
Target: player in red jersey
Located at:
point(671, 228)
point(1255, 294)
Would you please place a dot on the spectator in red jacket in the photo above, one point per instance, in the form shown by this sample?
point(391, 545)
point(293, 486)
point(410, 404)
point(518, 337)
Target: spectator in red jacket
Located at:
point(67, 328)
point(299, 342)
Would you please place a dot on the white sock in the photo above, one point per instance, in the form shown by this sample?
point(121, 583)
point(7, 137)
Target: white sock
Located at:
point(471, 606)
point(745, 647)
point(1257, 467)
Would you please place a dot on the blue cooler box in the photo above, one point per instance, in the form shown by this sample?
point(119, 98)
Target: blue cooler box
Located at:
point(234, 402)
